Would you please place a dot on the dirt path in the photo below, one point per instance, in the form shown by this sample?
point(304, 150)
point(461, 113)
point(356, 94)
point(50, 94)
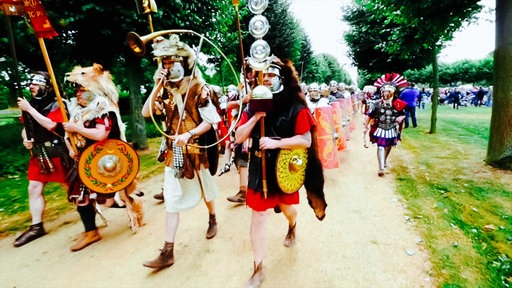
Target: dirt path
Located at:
point(364, 241)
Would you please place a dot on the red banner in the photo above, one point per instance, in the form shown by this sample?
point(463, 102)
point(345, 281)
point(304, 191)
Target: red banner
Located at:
point(42, 26)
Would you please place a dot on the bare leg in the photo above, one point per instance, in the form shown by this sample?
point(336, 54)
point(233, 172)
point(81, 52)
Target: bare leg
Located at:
point(244, 176)
point(210, 205)
point(239, 197)
point(37, 204)
point(290, 213)
point(258, 239)
point(36, 200)
point(172, 221)
point(227, 158)
point(166, 257)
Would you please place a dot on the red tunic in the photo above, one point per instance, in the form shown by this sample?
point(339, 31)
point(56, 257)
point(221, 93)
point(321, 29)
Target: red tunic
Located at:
point(255, 200)
point(34, 171)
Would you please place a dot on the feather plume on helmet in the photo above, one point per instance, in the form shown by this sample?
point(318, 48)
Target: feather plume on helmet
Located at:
point(390, 81)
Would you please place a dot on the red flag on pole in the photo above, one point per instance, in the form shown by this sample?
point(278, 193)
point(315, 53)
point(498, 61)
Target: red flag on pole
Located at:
point(42, 26)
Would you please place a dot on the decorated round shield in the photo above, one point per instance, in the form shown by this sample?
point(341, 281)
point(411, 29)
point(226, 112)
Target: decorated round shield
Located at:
point(108, 166)
point(291, 169)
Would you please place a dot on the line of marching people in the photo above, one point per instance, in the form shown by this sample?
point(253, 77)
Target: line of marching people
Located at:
point(334, 108)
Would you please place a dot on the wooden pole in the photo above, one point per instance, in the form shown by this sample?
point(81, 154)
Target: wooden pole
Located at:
point(263, 161)
point(56, 88)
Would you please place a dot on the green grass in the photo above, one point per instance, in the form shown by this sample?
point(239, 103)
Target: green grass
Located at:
point(462, 206)
point(14, 209)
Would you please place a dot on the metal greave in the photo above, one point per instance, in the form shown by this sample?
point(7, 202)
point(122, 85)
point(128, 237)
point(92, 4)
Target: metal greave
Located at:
point(381, 156)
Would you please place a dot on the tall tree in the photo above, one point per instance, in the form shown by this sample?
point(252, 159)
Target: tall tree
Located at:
point(415, 28)
point(368, 37)
point(499, 150)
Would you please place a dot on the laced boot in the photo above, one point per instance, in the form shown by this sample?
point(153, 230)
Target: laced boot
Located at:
point(35, 231)
point(289, 240)
point(165, 259)
point(257, 276)
point(212, 227)
point(238, 198)
point(86, 239)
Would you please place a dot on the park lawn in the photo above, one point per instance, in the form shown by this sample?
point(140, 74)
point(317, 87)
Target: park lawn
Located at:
point(14, 209)
point(462, 207)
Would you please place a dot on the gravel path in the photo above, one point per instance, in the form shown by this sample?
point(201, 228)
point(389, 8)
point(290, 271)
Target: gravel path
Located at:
point(365, 240)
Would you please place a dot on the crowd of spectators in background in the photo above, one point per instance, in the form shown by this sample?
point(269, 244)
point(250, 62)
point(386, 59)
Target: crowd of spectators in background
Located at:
point(466, 96)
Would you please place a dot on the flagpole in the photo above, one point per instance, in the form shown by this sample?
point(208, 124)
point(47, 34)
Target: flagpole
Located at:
point(43, 29)
point(55, 87)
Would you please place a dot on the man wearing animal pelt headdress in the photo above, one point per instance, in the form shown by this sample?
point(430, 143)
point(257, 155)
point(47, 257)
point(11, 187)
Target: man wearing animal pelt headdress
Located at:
point(190, 117)
point(95, 117)
point(385, 117)
point(289, 125)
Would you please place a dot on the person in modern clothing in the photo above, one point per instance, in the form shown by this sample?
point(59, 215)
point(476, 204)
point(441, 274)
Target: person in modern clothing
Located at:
point(480, 94)
point(423, 98)
point(410, 96)
point(455, 97)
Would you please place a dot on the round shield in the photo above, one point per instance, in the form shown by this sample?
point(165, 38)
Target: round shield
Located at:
point(108, 166)
point(291, 169)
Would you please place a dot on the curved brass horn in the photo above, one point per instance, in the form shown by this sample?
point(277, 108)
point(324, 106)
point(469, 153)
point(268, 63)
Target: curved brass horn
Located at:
point(138, 43)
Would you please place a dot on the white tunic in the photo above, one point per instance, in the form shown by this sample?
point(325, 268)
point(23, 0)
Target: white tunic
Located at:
point(181, 194)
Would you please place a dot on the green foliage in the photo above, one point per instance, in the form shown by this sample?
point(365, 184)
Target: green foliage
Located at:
point(477, 72)
point(369, 37)
point(324, 68)
point(151, 131)
point(12, 152)
point(389, 35)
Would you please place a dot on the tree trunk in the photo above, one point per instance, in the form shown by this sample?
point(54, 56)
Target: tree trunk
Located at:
point(499, 150)
point(435, 95)
point(134, 75)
